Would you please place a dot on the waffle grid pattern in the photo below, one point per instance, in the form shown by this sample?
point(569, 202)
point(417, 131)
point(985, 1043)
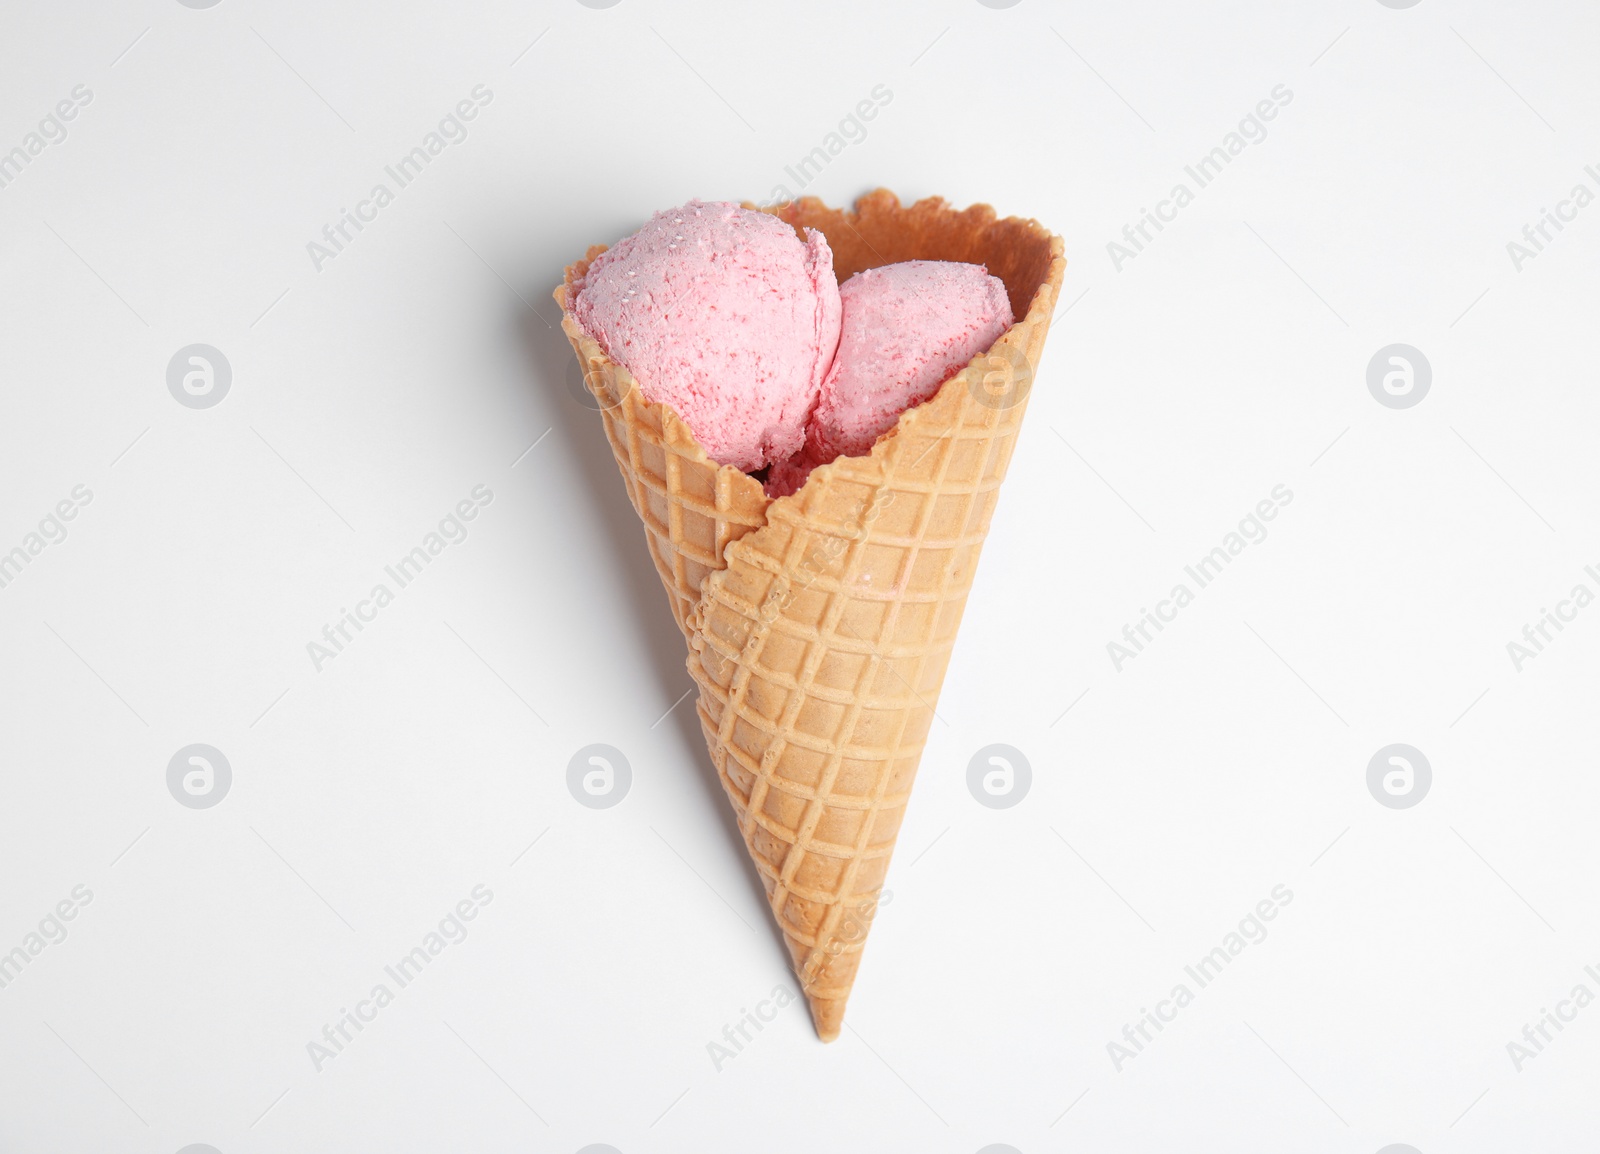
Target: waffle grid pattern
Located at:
point(817, 713)
point(820, 626)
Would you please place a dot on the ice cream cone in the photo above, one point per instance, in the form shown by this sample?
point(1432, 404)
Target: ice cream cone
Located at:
point(820, 625)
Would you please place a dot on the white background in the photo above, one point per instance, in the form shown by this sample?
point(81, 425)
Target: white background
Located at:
point(1229, 757)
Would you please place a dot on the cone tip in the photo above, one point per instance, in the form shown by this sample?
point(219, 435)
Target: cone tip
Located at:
point(828, 1016)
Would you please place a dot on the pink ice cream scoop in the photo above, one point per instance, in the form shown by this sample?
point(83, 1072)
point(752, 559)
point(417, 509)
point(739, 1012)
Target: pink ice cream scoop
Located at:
point(724, 314)
point(907, 329)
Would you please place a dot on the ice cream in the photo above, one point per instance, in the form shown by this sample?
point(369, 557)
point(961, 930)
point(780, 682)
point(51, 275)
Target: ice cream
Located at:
point(785, 478)
point(907, 328)
point(725, 315)
point(819, 632)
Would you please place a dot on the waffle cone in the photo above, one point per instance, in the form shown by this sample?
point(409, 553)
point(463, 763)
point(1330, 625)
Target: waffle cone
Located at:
point(819, 626)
